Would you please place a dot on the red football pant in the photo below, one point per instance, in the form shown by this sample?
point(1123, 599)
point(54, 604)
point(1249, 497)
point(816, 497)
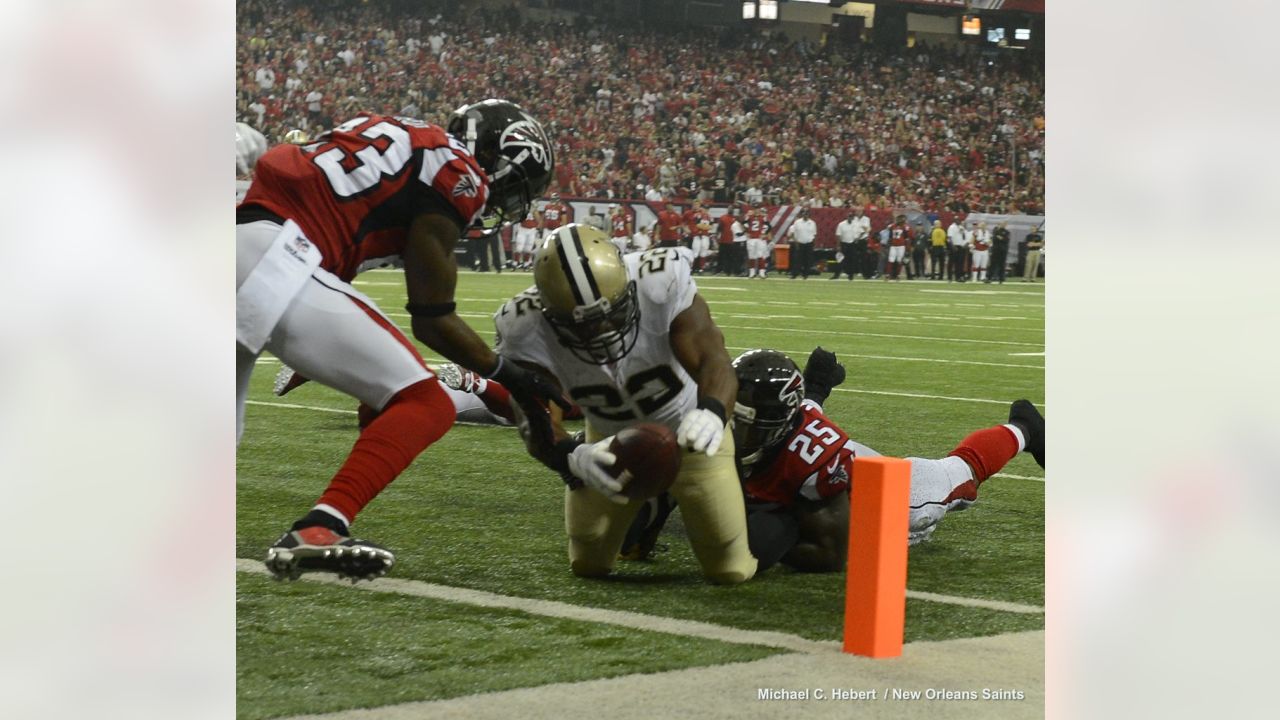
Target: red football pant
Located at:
point(416, 417)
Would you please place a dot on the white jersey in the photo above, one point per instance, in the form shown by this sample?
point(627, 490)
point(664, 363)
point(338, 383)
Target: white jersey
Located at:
point(649, 383)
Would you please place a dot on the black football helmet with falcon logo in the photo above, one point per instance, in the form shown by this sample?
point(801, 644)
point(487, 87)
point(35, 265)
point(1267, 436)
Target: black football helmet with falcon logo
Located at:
point(770, 389)
point(513, 150)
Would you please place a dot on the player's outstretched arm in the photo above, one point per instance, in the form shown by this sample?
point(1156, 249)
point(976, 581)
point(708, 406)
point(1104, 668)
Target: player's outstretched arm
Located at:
point(699, 346)
point(431, 277)
point(824, 535)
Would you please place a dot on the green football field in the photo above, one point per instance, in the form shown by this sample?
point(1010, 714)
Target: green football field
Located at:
point(928, 362)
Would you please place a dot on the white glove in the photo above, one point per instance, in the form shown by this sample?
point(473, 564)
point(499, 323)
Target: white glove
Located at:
point(701, 431)
point(590, 463)
point(250, 144)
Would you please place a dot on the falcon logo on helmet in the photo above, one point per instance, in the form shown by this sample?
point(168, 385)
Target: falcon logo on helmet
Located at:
point(587, 295)
point(512, 149)
point(767, 409)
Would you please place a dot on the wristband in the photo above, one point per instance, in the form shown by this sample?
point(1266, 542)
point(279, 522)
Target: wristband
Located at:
point(430, 310)
point(559, 457)
point(714, 405)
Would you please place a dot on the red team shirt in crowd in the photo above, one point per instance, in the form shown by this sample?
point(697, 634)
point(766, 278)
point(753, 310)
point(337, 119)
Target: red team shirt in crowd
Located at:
point(355, 190)
point(620, 224)
point(815, 461)
point(726, 228)
point(554, 215)
point(899, 235)
point(669, 223)
point(694, 218)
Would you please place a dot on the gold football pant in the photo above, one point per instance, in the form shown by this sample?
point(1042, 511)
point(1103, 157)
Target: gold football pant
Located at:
point(711, 504)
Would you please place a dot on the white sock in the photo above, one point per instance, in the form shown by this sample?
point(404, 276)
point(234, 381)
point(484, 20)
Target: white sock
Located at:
point(1017, 432)
point(322, 507)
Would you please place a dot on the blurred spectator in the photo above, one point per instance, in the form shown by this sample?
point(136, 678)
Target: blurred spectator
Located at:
point(1035, 244)
point(919, 250)
point(980, 252)
point(937, 250)
point(931, 125)
point(848, 232)
point(999, 252)
point(803, 232)
point(958, 241)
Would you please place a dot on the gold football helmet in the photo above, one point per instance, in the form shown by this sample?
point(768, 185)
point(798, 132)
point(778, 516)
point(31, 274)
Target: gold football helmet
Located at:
point(587, 295)
point(297, 137)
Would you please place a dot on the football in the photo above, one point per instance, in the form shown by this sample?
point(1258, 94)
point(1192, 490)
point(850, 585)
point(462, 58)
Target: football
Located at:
point(650, 452)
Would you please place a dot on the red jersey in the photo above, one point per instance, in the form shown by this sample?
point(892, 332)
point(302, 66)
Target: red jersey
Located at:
point(980, 242)
point(726, 228)
point(620, 225)
point(554, 215)
point(698, 221)
point(815, 461)
point(669, 225)
point(530, 221)
point(899, 235)
point(755, 225)
point(355, 190)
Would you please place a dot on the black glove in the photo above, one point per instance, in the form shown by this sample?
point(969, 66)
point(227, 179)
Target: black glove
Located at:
point(531, 391)
point(821, 373)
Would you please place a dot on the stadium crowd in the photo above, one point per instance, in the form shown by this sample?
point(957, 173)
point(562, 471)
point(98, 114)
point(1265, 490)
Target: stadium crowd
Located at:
point(640, 114)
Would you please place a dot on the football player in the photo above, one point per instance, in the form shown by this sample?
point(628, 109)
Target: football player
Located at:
point(795, 464)
point(630, 340)
point(698, 226)
point(376, 187)
point(524, 239)
point(620, 225)
point(757, 225)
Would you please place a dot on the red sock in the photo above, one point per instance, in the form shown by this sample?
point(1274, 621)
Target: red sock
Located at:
point(414, 419)
point(498, 400)
point(987, 451)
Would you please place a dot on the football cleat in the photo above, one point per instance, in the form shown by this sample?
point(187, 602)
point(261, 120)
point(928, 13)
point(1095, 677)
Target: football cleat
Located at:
point(642, 537)
point(450, 375)
point(1029, 420)
point(286, 380)
point(319, 549)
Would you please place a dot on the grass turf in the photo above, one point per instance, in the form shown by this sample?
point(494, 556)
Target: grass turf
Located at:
point(293, 638)
point(928, 363)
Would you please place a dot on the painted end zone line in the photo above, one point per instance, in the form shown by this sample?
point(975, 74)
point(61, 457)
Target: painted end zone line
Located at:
point(633, 620)
point(552, 608)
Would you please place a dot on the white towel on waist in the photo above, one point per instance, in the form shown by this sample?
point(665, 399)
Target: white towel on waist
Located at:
point(272, 284)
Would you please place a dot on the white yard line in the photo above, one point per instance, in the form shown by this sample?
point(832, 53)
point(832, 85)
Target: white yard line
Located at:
point(976, 602)
point(842, 333)
point(929, 397)
point(301, 407)
point(552, 608)
point(803, 353)
point(623, 618)
point(1011, 476)
point(732, 691)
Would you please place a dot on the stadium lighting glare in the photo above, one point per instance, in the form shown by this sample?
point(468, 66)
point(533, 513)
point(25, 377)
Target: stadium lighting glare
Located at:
point(768, 9)
point(749, 10)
